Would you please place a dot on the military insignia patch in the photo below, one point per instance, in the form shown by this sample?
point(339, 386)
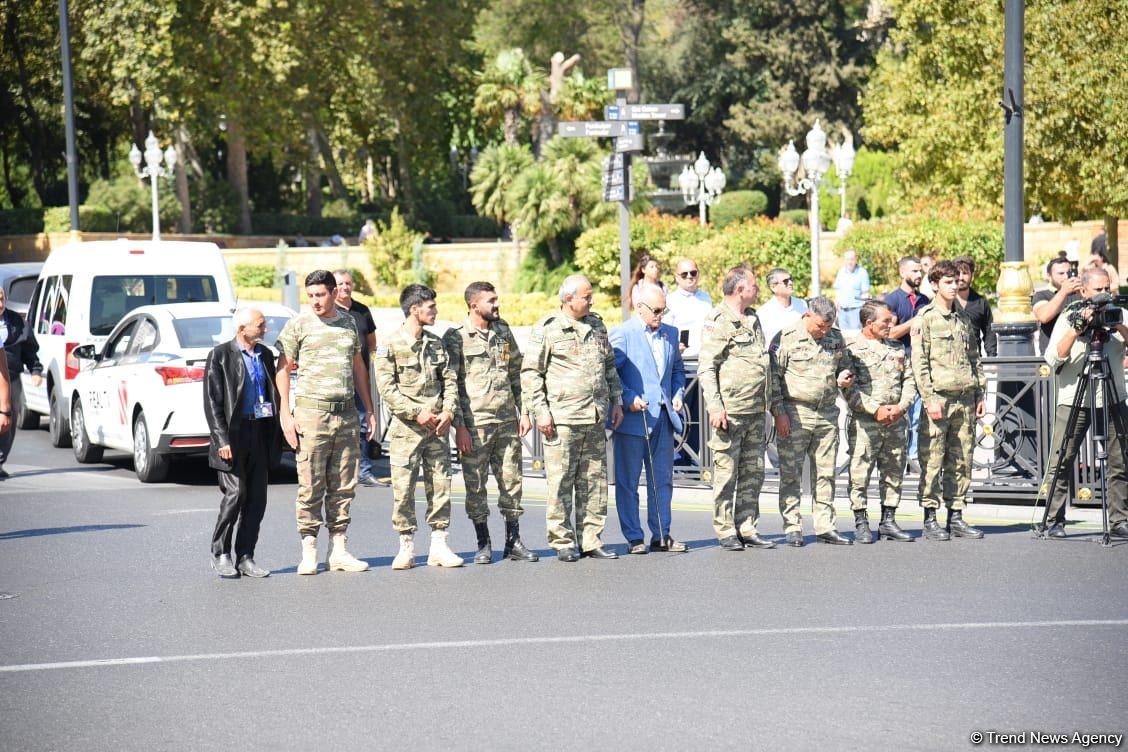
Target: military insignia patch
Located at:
point(537, 334)
point(381, 352)
point(915, 331)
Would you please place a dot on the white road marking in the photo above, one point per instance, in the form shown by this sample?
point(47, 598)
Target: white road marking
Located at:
point(567, 639)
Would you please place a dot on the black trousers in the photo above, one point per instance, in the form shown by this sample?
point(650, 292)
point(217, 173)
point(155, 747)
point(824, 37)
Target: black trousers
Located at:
point(244, 490)
point(1117, 481)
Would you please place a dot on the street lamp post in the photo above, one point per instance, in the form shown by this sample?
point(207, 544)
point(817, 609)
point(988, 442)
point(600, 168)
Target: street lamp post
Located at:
point(701, 185)
point(153, 169)
point(816, 162)
point(844, 155)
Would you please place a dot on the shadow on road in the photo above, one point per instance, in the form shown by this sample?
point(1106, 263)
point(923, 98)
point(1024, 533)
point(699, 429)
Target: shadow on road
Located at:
point(37, 532)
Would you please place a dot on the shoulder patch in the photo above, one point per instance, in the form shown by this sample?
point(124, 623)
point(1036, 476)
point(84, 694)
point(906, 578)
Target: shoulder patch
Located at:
point(915, 330)
point(381, 351)
point(537, 335)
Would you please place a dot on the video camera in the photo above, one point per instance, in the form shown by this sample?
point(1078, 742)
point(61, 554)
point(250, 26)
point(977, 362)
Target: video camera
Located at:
point(1107, 312)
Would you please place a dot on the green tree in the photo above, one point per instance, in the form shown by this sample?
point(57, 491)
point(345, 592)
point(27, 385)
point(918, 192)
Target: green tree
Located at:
point(509, 91)
point(493, 176)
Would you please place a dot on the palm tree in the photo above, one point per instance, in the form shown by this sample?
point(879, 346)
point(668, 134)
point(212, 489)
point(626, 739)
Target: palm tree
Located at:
point(509, 88)
point(540, 206)
point(492, 179)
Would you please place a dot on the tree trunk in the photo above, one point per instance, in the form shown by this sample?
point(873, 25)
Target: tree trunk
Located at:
point(313, 174)
point(182, 167)
point(15, 195)
point(554, 252)
point(1112, 244)
point(511, 126)
point(551, 98)
point(137, 120)
point(369, 178)
point(632, 39)
point(336, 185)
point(237, 173)
point(403, 158)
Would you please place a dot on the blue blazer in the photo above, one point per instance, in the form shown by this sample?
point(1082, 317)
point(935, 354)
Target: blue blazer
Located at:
point(639, 375)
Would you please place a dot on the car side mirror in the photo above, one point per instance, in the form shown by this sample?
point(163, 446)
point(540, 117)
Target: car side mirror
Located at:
point(85, 352)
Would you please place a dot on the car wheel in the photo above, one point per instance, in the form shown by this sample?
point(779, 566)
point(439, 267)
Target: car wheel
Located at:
point(26, 420)
point(57, 421)
point(84, 451)
point(149, 466)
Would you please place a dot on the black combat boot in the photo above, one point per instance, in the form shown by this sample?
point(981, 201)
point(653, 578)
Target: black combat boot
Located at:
point(514, 548)
point(485, 552)
point(932, 529)
point(862, 532)
point(959, 528)
point(889, 529)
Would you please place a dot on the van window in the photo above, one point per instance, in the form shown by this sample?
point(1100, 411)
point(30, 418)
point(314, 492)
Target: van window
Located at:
point(20, 289)
point(54, 294)
point(111, 297)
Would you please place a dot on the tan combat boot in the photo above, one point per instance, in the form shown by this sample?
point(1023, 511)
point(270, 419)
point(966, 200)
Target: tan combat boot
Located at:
point(440, 554)
point(405, 559)
point(340, 560)
point(308, 564)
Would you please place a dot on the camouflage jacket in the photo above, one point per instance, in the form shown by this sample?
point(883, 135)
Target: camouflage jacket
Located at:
point(488, 368)
point(568, 373)
point(882, 375)
point(808, 368)
point(945, 355)
point(733, 365)
point(414, 374)
point(324, 352)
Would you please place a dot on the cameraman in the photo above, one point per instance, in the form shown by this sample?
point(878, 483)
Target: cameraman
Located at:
point(1067, 353)
point(1047, 305)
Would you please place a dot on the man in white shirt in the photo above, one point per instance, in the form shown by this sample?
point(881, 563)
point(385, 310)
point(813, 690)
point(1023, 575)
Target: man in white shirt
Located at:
point(852, 288)
point(782, 309)
point(688, 306)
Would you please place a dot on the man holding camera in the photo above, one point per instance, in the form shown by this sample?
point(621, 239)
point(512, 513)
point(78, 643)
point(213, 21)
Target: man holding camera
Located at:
point(1067, 351)
point(1047, 305)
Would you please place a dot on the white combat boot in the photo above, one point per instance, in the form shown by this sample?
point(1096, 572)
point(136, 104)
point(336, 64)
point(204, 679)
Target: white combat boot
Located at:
point(340, 560)
point(308, 564)
point(440, 554)
point(405, 559)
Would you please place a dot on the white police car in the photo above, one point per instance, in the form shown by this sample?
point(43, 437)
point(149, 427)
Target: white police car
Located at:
point(143, 392)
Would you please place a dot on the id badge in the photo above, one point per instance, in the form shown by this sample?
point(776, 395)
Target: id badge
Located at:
point(264, 410)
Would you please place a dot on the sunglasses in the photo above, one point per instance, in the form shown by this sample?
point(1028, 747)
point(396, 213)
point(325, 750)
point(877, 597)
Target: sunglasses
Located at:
point(688, 275)
point(783, 281)
point(655, 311)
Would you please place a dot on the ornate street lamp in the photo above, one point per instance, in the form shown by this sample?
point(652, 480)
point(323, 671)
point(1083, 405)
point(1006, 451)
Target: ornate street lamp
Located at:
point(153, 170)
point(844, 156)
point(701, 185)
point(816, 162)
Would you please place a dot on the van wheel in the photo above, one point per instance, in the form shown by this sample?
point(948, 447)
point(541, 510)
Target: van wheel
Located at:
point(149, 466)
point(26, 420)
point(84, 451)
point(57, 422)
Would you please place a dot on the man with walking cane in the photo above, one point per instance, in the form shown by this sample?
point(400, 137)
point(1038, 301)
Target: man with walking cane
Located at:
point(738, 385)
point(653, 378)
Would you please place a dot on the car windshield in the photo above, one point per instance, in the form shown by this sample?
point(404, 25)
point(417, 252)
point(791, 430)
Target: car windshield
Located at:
point(111, 297)
point(209, 331)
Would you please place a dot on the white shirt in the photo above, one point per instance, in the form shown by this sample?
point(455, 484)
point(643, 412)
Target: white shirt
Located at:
point(774, 316)
point(687, 312)
point(657, 347)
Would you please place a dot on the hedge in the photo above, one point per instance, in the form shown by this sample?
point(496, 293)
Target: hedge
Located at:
point(90, 219)
point(736, 206)
point(881, 244)
point(21, 221)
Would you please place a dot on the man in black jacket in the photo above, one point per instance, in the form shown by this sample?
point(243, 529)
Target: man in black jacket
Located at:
point(241, 404)
point(21, 350)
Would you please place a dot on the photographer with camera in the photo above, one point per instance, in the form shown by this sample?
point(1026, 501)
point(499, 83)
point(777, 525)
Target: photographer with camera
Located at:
point(1047, 305)
point(1093, 320)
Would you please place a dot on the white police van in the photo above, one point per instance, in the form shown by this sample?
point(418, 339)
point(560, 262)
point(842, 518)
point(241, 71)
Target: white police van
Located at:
point(85, 289)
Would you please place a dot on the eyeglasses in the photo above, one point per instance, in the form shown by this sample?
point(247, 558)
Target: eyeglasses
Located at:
point(655, 311)
point(783, 281)
point(688, 275)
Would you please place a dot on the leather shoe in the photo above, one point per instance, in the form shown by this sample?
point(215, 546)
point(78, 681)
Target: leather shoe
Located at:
point(754, 540)
point(567, 554)
point(670, 545)
point(731, 543)
point(1056, 530)
point(367, 481)
point(600, 553)
point(795, 538)
point(4, 474)
point(833, 538)
point(248, 567)
point(1119, 530)
point(224, 568)
point(637, 547)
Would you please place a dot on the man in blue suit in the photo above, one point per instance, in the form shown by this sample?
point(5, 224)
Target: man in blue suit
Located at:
point(650, 368)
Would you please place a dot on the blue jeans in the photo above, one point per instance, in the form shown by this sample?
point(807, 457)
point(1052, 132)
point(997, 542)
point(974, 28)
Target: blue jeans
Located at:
point(365, 461)
point(914, 424)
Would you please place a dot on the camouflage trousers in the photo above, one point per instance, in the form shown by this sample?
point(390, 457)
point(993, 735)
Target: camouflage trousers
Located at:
point(327, 460)
point(575, 464)
point(874, 444)
point(738, 475)
point(413, 449)
point(814, 436)
point(495, 448)
point(944, 453)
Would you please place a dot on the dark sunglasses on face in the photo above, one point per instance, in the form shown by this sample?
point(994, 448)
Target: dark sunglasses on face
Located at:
point(784, 281)
point(688, 275)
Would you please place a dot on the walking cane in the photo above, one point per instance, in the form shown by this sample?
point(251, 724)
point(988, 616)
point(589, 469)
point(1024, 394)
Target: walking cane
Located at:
point(651, 479)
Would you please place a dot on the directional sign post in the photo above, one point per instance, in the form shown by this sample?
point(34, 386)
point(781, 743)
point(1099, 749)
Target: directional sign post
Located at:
point(644, 112)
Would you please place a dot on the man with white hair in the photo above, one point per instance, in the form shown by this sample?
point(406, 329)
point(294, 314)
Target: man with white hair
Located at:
point(569, 383)
point(241, 406)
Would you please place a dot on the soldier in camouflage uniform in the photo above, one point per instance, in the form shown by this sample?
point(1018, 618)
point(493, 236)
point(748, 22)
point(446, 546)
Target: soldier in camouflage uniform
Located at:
point(488, 427)
point(952, 387)
point(323, 428)
point(882, 393)
point(568, 380)
point(812, 365)
point(416, 382)
point(738, 386)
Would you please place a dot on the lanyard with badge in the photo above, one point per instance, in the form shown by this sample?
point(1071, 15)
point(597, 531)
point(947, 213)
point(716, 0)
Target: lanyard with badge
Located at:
point(263, 409)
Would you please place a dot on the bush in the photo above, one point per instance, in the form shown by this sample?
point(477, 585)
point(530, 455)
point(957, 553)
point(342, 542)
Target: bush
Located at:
point(880, 245)
point(473, 226)
point(761, 243)
point(800, 217)
point(395, 252)
point(871, 190)
point(254, 275)
point(661, 236)
point(536, 273)
point(736, 206)
point(272, 223)
point(90, 219)
point(22, 221)
point(130, 203)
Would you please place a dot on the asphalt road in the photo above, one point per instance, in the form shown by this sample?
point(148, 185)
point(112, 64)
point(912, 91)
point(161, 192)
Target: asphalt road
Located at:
point(117, 636)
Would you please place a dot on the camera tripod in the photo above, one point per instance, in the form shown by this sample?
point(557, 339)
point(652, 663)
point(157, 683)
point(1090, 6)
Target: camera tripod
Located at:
point(1095, 378)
